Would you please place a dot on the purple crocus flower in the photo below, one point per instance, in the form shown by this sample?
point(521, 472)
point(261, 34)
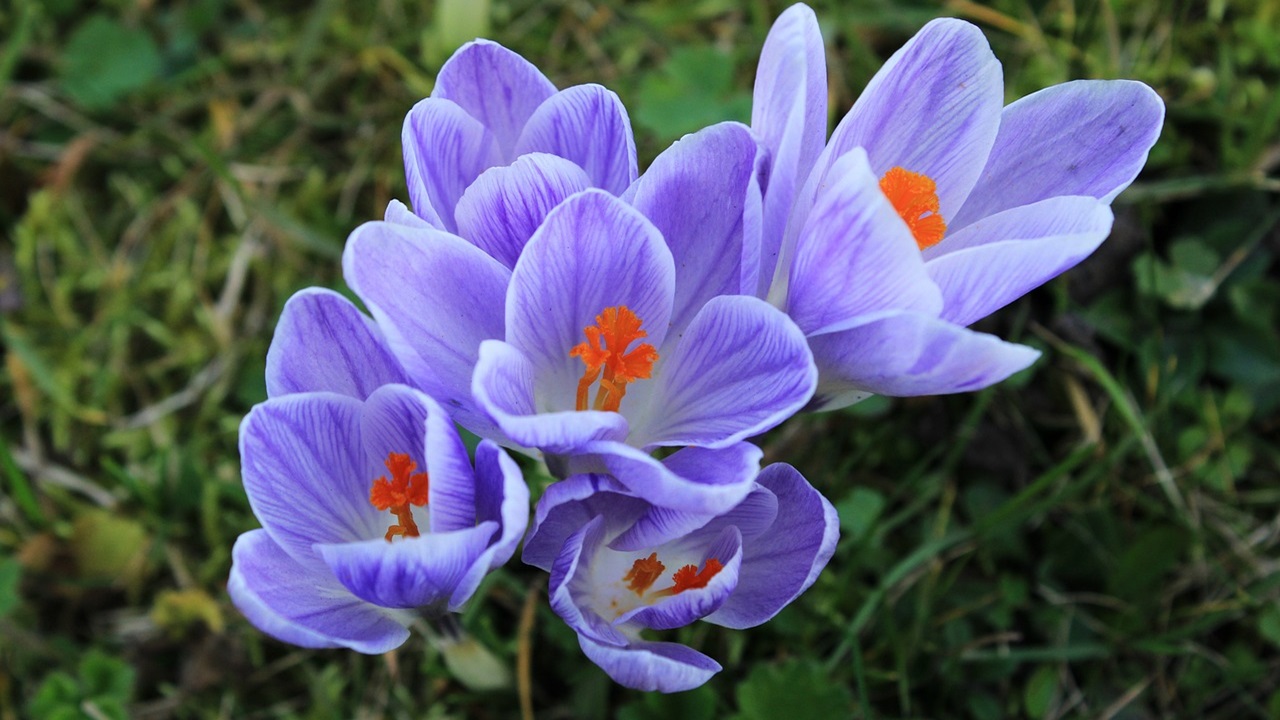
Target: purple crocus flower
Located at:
point(494, 125)
point(370, 507)
point(620, 566)
point(592, 347)
point(931, 206)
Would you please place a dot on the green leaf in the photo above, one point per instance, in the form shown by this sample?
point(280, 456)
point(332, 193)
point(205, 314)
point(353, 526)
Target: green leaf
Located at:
point(1041, 691)
point(795, 690)
point(859, 511)
point(105, 677)
point(104, 61)
point(694, 89)
point(697, 704)
point(10, 577)
point(1269, 625)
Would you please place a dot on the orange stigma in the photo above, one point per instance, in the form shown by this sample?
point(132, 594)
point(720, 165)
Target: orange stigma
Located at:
point(609, 362)
point(915, 197)
point(689, 578)
point(643, 573)
point(404, 489)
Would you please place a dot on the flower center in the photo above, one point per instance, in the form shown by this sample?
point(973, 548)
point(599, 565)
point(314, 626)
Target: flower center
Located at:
point(645, 572)
point(405, 488)
point(915, 197)
point(607, 360)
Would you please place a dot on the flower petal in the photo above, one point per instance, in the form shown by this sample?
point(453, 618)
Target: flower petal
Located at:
point(703, 195)
point(789, 115)
point(411, 572)
point(496, 86)
point(855, 255)
point(662, 666)
point(1086, 137)
point(568, 573)
point(299, 606)
point(741, 368)
point(588, 125)
point(659, 525)
point(907, 354)
point(399, 214)
point(933, 108)
point(1000, 258)
point(506, 204)
point(323, 343)
point(504, 389)
point(305, 472)
point(436, 297)
point(592, 252)
point(692, 479)
point(570, 504)
point(784, 561)
point(694, 604)
point(503, 498)
point(445, 150)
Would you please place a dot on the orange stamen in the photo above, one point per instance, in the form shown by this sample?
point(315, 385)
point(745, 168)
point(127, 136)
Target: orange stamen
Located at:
point(689, 578)
point(643, 573)
point(915, 197)
point(608, 361)
point(404, 489)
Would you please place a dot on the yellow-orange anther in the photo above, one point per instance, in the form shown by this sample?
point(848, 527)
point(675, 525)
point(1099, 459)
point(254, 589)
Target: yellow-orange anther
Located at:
point(405, 488)
point(643, 573)
point(915, 197)
point(607, 360)
point(689, 578)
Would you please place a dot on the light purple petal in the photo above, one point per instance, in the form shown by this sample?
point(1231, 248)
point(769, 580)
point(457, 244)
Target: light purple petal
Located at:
point(437, 297)
point(661, 666)
point(504, 388)
point(503, 498)
point(741, 368)
point(1000, 258)
point(784, 561)
point(588, 125)
point(1086, 137)
point(693, 604)
point(907, 354)
point(496, 86)
point(789, 114)
point(570, 504)
point(703, 194)
point(933, 108)
point(409, 572)
point(445, 150)
point(301, 607)
point(855, 255)
point(398, 213)
point(305, 472)
point(569, 573)
point(752, 516)
point(692, 479)
point(506, 204)
point(593, 252)
point(324, 344)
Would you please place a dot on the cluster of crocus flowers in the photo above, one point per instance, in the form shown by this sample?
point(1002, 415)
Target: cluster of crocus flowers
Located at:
point(634, 331)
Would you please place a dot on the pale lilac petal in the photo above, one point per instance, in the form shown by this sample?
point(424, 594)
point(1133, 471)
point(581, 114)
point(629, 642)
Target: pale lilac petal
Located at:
point(692, 479)
point(703, 194)
point(452, 490)
point(661, 666)
point(399, 214)
point(694, 604)
point(570, 504)
point(504, 388)
point(506, 204)
point(305, 472)
point(496, 86)
point(588, 125)
point(789, 115)
point(445, 150)
point(784, 561)
point(1000, 258)
point(907, 354)
point(593, 252)
point(569, 573)
point(1087, 137)
point(503, 497)
point(933, 108)
point(437, 297)
point(754, 515)
point(741, 368)
point(324, 344)
point(855, 255)
point(409, 572)
point(299, 606)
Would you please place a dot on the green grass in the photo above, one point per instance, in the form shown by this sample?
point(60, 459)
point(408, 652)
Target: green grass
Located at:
point(1096, 537)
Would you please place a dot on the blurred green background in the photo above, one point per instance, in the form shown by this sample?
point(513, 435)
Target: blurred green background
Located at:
point(1095, 538)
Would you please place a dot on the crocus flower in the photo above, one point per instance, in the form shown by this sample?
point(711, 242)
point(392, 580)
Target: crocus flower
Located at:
point(493, 124)
point(370, 507)
point(591, 347)
point(620, 566)
point(931, 206)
